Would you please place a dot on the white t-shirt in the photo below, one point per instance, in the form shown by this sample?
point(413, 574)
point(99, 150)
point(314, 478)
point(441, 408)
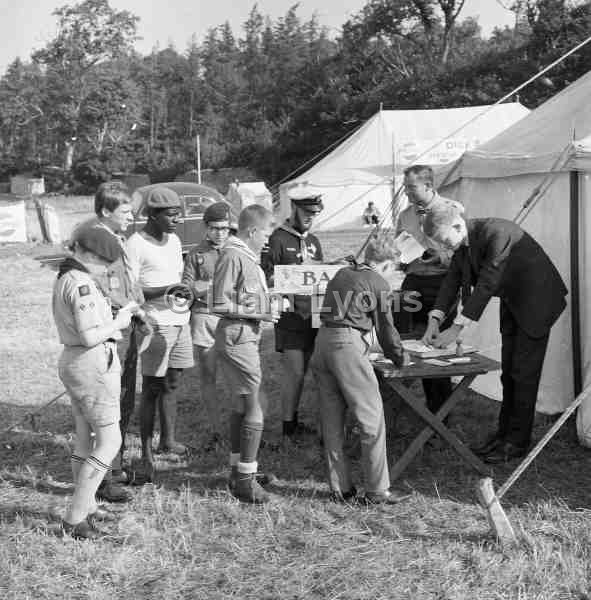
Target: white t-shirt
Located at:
point(155, 264)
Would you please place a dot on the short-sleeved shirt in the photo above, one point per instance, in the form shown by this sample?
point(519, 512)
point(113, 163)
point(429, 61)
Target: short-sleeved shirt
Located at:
point(198, 273)
point(155, 264)
point(78, 305)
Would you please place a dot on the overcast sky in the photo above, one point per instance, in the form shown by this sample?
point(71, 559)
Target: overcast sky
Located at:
point(28, 24)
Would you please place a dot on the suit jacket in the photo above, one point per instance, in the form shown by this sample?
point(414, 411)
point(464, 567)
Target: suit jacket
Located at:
point(502, 260)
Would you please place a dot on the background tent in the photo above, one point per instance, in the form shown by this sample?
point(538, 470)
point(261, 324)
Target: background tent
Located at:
point(496, 179)
point(362, 167)
point(241, 195)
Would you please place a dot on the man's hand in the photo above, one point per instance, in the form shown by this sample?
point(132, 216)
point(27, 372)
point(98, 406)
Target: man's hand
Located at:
point(447, 337)
point(432, 332)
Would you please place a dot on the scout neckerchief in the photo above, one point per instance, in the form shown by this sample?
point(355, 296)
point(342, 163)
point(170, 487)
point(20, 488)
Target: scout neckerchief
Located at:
point(287, 226)
point(240, 246)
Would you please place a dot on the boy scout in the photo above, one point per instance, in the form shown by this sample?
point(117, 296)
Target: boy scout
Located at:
point(156, 261)
point(292, 243)
point(239, 297)
point(89, 369)
point(197, 275)
point(357, 299)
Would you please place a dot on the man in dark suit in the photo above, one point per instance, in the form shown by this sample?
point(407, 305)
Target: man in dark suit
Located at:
point(495, 257)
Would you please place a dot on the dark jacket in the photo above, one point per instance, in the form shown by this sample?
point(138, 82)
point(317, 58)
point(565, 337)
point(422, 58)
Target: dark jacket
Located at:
point(502, 260)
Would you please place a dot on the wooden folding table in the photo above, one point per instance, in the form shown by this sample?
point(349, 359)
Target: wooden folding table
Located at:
point(420, 369)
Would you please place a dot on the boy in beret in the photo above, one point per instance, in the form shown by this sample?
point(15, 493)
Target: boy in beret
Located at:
point(197, 275)
point(156, 260)
point(89, 369)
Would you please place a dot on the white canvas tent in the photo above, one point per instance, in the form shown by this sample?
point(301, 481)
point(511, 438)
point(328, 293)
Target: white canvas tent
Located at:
point(361, 169)
point(496, 179)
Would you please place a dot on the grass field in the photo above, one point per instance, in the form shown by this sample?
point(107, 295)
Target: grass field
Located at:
point(186, 537)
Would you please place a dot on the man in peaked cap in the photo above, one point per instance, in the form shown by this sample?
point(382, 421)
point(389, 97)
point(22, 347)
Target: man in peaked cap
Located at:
point(156, 261)
point(292, 243)
point(197, 275)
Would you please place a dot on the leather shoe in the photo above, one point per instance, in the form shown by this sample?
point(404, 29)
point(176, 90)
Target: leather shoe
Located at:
point(387, 497)
point(111, 492)
point(82, 531)
point(489, 444)
point(504, 453)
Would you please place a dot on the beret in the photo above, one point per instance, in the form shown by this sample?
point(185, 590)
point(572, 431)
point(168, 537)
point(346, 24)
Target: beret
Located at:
point(162, 197)
point(95, 238)
point(219, 211)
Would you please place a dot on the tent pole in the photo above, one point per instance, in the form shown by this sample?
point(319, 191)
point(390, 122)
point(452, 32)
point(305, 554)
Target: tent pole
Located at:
point(575, 298)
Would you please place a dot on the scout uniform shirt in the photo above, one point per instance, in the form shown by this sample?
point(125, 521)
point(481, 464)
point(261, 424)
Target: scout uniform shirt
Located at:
point(117, 283)
point(238, 280)
point(78, 305)
point(287, 246)
point(198, 273)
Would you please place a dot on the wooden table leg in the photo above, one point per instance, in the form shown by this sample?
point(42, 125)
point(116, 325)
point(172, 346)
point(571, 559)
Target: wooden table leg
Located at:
point(435, 422)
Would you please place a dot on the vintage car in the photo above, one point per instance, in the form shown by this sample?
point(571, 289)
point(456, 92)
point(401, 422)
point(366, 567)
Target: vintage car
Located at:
point(195, 198)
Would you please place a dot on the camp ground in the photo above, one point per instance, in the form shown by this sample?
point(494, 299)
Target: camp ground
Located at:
point(368, 164)
point(546, 157)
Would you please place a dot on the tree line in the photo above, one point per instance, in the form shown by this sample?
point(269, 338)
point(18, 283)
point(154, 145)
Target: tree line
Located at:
point(269, 98)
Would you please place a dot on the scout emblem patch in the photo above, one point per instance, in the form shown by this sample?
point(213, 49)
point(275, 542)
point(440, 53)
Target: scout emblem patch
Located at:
point(84, 290)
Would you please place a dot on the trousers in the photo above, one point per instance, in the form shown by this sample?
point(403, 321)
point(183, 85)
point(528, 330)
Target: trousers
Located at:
point(346, 381)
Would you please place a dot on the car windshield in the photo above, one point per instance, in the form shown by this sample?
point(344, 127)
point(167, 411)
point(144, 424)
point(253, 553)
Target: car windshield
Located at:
point(196, 205)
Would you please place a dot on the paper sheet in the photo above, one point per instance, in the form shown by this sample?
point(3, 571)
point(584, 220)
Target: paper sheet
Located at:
point(410, 249)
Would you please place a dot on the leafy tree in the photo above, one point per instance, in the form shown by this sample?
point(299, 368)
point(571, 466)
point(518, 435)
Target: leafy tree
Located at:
point(89, 33)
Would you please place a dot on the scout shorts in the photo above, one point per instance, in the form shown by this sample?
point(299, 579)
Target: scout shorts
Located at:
point(92, 378)
point(237, 348)
point(170, 347)
point(203, 328)
point(291, 339)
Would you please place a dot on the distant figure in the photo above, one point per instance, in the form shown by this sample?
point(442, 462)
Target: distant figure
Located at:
point(371, 215)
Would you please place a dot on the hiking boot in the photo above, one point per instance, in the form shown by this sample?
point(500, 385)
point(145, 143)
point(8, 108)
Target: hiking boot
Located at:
point(82, 531)
point(248, 489)
point(171, 448)
point(111, 492)
point(262, 478)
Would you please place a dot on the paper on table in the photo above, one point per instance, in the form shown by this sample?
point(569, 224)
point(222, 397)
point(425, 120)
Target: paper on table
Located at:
point(417, 348)
point(410, 249)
